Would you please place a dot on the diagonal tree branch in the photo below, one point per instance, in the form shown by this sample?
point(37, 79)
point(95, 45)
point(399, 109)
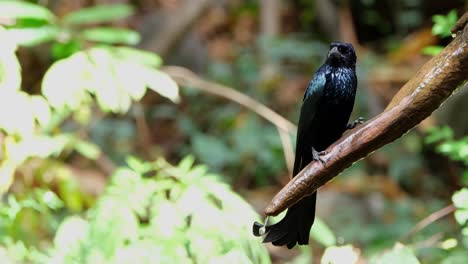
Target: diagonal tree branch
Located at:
point(415, 101)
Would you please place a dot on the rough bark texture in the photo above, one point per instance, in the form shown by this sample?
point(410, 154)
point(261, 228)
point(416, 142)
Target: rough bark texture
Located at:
point(415, 101)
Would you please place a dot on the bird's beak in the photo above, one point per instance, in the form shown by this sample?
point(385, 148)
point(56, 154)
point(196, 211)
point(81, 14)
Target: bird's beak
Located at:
point(334, 52)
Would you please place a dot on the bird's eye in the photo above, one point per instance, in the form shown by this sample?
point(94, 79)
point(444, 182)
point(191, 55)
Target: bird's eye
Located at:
point(342, 49)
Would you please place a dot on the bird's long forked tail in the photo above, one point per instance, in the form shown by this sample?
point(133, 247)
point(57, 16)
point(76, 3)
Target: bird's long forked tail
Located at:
point(294, 228)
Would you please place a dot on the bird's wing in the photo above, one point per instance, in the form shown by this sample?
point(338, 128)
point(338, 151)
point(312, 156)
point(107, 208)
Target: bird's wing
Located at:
point(309, 107)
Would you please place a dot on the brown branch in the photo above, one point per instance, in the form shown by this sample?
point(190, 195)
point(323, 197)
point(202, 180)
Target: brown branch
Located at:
point(186, 77)
point(415, 101)
point(430, 219)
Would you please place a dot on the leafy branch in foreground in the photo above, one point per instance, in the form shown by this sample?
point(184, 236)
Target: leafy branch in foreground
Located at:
point(149, 207)
point(112, 76)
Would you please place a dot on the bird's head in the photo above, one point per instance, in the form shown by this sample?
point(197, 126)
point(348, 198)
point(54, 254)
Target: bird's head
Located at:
point(341, 54)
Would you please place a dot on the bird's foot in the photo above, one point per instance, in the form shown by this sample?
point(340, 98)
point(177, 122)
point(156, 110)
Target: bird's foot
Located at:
point(355, 123)
point(259, 229)
point(316, 155)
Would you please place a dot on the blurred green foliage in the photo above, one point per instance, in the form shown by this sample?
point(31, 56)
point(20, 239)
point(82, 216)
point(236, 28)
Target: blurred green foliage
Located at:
point(442, 28)
point(111, 76)
point(150, 211)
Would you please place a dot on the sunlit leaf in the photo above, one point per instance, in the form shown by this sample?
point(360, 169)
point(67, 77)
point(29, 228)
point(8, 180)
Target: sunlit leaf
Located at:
point(36, 146)
point(449, 243)
point(186, 164)
point(137, 165)
point(64, 84)
point(7, 168)
point(129, 79)
point(87, 149)
point(105, 83)
point(49, 198)
point(33, 36)
point(41, 109)
point(341, 255)
point(398, 254)
point(10, 70)
point(98, 14)
point(71, 232)
point(109, 35)
point(460, 200)
point(321, 233)
point(161, 83)
point(22, 122)
point(23, 9)
point(135, 55)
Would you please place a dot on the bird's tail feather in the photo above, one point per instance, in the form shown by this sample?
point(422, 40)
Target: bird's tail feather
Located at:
point(294, 227)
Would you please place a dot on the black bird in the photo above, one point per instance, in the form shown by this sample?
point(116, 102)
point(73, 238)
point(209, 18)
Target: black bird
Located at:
point(326, 107)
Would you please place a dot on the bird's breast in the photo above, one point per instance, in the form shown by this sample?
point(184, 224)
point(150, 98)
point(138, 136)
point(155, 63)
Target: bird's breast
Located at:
point(340, 86)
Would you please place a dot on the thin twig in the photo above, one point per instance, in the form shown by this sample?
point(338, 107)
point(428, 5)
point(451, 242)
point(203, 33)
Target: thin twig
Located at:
point(144, 134)
point(186, 77)
point(429, 242)
point(287, 149)
point(429, 220)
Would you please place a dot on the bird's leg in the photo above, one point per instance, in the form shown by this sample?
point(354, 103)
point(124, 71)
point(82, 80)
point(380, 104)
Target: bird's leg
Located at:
point(355, 123)
point(316, 155)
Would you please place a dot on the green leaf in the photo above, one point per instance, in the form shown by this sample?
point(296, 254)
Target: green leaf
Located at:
point(88, 149)
point(161, 83)
point(398, 254)
point(98, 14)
point(432, 50)
point(49, 198)
point(33, 36)
point(62, 50)
point(36, 146)
point(137, 165)
point(135, 55)
point(105, 82)
point(69, 190)
point(128, 78)
point(23, 9)
point(71, 232)
point(22, 122)
point(109, 35)
point(439, 133)
point(10, 69)
point(321, 233)
point(74, 69)
point(41, 110)
point(460, 200)
point(443, 24)
point(7, 169)
point(342, 254)
point(465, 178)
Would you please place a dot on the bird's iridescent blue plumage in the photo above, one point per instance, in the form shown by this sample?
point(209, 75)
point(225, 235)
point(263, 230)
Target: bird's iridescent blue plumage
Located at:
point(326, 108)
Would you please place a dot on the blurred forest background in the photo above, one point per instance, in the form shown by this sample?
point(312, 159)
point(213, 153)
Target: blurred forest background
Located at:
point(110, 155)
